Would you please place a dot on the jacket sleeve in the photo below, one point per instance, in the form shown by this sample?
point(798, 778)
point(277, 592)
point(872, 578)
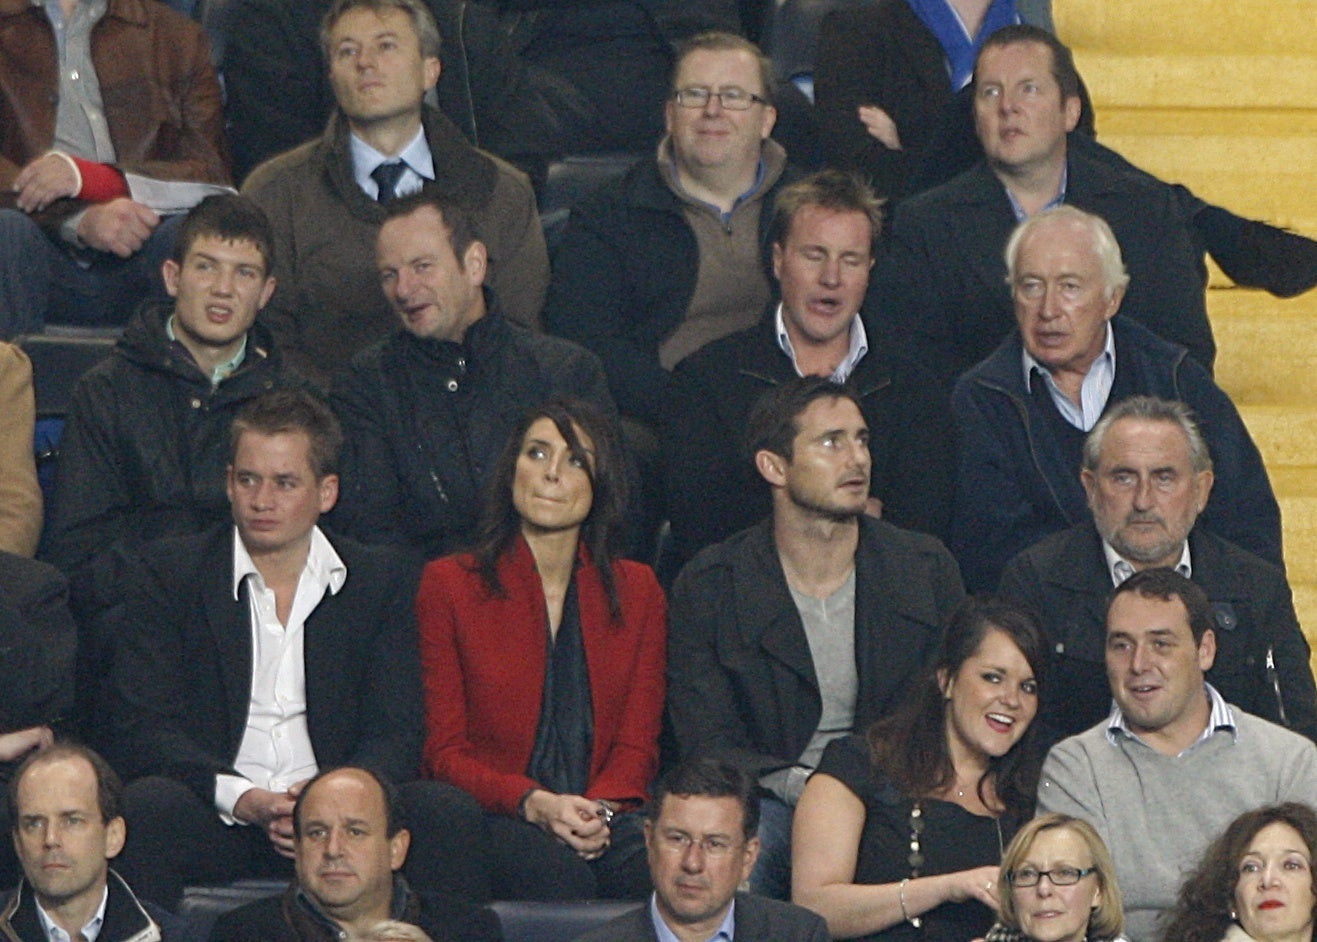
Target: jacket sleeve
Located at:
point(993, 516)
point(93, 503)
point(20, 497)
point(1242, 507)
point(449, 753)
point(369, 505)
point(633, 755)
point(390, 703)
point(198, 154)
point(702, 702)
point(848, 73)
point(590, 301)
point(917, 477)
point(518, 258)
point(1292, 656)
point(151, 696)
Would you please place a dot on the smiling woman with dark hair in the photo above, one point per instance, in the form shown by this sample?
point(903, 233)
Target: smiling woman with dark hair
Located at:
point(1254, 883)
point(543, 657)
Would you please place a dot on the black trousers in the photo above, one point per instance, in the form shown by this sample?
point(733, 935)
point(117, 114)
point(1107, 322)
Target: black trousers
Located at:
point(529, 864)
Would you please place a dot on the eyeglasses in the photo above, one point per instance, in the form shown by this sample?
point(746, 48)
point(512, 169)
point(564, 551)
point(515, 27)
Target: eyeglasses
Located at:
point(1060, 876)
point(733, 98)
point(678, 842)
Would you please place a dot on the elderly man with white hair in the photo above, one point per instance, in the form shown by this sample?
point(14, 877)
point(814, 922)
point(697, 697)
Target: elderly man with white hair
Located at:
point(1023, 412)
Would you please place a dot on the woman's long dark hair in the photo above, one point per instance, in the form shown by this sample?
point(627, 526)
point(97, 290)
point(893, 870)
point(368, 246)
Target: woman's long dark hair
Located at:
point(601, 532)
point(1207, 898)
point(910, 746)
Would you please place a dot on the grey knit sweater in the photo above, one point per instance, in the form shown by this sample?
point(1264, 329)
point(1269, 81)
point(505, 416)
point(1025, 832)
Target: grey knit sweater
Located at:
point(1157, 813)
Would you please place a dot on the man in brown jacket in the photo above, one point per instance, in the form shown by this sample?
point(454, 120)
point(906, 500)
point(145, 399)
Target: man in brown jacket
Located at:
point(325, 198)
point(127, 88)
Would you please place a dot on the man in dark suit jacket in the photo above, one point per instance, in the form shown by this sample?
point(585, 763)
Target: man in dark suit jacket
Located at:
point(1148, 474)
point(253, 656)
point(701, 830)
point(942, 296)
point(810, 624)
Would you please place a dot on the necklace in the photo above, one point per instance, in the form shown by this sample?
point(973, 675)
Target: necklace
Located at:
point(916, 856)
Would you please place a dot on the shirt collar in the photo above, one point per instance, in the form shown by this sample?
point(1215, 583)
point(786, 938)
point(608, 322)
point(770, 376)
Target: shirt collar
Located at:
point(1222, 717)
point(223, 370)
point(1055, 201)
point(1120, 569)
point(416, 155)
point(668, 160)
point(322, 562)
point(859, 346)
point(726, 929)
point(89, 932)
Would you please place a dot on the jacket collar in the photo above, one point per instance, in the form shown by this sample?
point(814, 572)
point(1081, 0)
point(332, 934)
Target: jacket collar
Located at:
point(126, 920)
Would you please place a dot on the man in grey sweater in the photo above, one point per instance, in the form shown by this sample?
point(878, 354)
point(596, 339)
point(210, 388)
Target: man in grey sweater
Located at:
point(1174, 763)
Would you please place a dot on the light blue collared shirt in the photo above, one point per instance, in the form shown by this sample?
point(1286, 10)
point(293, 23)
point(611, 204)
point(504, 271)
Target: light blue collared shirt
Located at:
point(89, 932)
point(1093, 392)
point(1222, 718)
point(416, 155)
point(858, 348)
point(726, 930)
point(1055, 201)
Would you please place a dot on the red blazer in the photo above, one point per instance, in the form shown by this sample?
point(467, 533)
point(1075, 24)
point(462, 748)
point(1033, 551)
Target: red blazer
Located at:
point(484, 658)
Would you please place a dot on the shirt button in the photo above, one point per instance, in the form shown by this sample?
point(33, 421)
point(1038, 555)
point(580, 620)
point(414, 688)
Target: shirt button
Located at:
point(73, 74)
point(196, 403)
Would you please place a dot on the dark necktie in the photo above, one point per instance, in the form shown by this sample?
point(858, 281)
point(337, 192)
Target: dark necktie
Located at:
point(386, 176)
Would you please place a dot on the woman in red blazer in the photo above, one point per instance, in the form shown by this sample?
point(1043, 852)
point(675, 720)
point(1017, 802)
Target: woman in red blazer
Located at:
point(544, 660)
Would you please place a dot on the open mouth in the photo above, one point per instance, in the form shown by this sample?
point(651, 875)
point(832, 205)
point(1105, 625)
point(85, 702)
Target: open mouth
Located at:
point(1000, 722)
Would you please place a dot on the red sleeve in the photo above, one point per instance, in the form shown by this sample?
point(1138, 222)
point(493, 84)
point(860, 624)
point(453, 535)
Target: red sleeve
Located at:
point(631, 760)
point(100, 182)
point(443, 609)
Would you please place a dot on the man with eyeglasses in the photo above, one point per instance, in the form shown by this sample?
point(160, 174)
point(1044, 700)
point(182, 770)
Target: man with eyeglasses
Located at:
point(675, 254)
point(1174, 763)
point(701, 843)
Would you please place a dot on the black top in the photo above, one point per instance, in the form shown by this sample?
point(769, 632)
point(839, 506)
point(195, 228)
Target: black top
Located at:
point(953, 839)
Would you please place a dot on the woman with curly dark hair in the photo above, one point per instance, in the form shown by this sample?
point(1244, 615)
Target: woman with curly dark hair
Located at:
point(899, 837)
point(543, 658)
point(1255, 881)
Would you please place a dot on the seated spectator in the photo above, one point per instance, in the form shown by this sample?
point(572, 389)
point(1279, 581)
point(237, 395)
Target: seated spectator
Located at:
point(700, 837)
point(1058, 885)
point(942, 295)
point(887, 72)
point(675, 254)
point(20, 496)
point(899, 833)
point(67, 826)
point(93, 99)
point(1254, 882)
point(427, 412)
point(146, 438)
point(325, 198)
point(811, 624)
point(826, 229)
point(350, 841)
point(250, 656)
point(552, 721)
point(1022, 413)
point(1148, 476)
point(499, 102)
point(1138, 777)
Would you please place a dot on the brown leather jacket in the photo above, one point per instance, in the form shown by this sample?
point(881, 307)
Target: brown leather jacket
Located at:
point(161, 95)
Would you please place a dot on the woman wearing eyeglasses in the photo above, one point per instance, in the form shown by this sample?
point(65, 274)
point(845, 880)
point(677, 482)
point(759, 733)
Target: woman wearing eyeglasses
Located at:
point(898, 836)
point(1255, 881)
point(1059, 885)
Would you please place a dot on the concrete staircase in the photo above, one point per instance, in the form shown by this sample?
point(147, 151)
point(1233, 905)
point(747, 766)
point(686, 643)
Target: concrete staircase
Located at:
point(1221, 95)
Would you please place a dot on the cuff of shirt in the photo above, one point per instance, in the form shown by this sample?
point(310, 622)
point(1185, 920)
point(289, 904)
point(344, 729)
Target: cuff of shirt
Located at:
point(786, 784)
point(228, 789)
